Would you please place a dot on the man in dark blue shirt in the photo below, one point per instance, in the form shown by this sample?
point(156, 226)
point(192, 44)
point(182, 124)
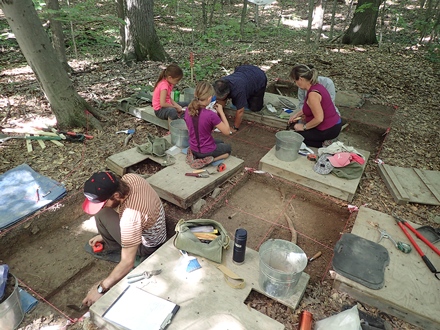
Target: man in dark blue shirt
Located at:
point(245, 87)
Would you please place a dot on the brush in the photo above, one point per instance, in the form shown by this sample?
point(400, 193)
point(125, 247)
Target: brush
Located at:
point(193, 264)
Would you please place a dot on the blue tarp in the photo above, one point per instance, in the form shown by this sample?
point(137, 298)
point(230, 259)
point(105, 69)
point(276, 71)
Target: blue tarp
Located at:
point(18, 194)
point(27, 301)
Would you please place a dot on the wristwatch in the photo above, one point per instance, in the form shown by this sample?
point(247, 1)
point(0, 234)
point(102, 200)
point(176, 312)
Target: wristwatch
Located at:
point(304, 127)
point(101, 289)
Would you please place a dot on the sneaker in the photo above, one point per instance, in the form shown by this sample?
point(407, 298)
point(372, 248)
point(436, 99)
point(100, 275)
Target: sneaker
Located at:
point(216, 130)
point(327, 143)
point(202, 162)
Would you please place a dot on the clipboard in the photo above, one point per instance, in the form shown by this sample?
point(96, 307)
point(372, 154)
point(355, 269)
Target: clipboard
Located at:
point(136, 309)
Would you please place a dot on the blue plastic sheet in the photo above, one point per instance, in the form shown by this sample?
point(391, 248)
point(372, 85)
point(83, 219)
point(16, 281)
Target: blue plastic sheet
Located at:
point(21, 194)
point(4, 271)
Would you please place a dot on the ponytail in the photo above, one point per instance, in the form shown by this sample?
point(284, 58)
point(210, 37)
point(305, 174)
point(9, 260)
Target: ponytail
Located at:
point(172, 70)
point(204, 90)
point(308, 73)
point(161, 77)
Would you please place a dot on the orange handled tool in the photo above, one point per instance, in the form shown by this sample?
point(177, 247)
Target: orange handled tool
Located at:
point(316, 256)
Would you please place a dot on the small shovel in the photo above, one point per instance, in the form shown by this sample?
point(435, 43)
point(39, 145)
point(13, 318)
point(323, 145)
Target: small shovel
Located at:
point(4, 137)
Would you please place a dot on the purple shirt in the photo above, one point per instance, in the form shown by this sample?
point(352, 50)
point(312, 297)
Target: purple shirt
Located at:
point(331, 117)
point(207, 121)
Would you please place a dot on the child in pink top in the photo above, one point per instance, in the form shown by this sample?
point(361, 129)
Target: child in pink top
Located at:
point(164, 106)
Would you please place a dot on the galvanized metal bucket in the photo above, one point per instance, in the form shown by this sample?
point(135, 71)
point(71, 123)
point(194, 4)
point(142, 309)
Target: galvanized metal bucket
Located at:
point(288, 145)
point(179, 133)
point(188, 94)
point(11, 313)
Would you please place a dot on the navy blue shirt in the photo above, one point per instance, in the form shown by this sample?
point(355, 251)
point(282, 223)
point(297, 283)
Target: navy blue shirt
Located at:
point(246, 81)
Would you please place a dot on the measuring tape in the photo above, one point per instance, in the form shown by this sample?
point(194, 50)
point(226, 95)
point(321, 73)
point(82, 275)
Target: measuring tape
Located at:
point(311, 157)
point(97, 247)
point(221, 167)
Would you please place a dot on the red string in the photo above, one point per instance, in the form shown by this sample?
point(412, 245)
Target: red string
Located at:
point(331, 259)
point(70, 319)
point(2, 232)
point(82, 157)
point(277, 224)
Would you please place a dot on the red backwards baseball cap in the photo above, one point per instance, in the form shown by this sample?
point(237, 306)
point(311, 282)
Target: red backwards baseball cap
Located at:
point(98, 189)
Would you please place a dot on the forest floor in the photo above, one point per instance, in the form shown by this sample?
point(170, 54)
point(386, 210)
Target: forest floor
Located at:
point(395, 74)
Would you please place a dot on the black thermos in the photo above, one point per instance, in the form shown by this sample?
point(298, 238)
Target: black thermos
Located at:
point(239, 246)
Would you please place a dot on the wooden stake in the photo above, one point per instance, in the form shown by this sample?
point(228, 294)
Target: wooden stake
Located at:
point(29, 144)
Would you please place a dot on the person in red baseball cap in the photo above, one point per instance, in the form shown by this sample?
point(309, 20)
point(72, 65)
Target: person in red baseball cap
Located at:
point(98, 189)
point(131, 222)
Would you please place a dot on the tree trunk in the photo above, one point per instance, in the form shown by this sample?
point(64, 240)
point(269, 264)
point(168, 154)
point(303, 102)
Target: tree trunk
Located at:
point(141, 40)
point(318, 14)
point(212, 13)
point(120, 10)
point(333, 19)
point(204, 17)
point(35, 45)
point(243, 18)
point(362, 30)
point(309, 25)
point(320, 23)
point(57, 34)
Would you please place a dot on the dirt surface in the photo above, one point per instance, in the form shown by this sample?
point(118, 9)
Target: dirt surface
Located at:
point(46, 250)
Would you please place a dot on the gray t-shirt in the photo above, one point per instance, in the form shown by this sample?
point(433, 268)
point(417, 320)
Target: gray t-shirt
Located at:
point(327, 83)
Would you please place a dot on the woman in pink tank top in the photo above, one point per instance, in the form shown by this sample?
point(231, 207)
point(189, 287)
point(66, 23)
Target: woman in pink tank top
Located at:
point(318, 120)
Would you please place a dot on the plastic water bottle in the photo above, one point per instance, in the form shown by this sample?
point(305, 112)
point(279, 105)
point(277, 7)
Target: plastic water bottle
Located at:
point(239, 246)
point(177, 96)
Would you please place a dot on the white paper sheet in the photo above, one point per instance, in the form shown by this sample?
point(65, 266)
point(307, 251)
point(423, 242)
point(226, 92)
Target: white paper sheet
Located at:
point(137, 309)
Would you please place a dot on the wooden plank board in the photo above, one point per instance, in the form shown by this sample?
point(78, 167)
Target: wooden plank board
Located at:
point(119, 163)
point(411, 292)
point(145, 113)
point(411, 185)
point(301, 171)
point(423, 175)
point(399, 194)
point(206, 300)
point(271, 121)
point(172, 185)
point(41, 143)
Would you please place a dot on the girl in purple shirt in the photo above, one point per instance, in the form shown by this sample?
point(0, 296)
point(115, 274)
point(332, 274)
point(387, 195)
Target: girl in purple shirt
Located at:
point(321, 121)
point(201, 121)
